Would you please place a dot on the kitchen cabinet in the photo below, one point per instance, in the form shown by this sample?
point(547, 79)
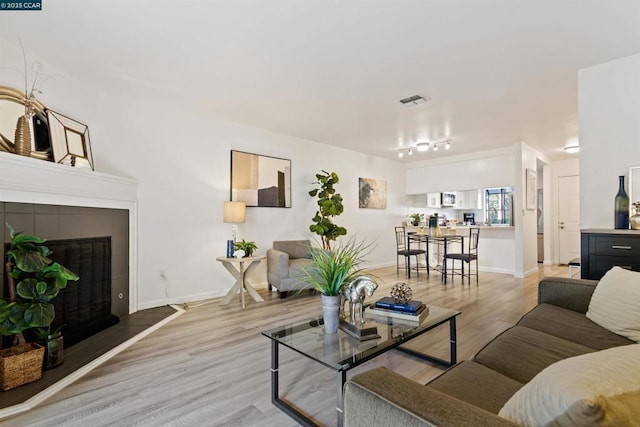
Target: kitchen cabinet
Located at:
point(468, 200)
point(603, 249)
point(434, 200)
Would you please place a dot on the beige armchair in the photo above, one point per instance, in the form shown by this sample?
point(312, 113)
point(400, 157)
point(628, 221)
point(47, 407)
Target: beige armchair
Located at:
point(286, 263)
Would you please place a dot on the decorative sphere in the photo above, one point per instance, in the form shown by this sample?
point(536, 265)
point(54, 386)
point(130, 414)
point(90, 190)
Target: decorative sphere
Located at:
point(401, 293)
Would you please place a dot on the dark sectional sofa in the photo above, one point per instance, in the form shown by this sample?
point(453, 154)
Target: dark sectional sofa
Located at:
point(472, 392)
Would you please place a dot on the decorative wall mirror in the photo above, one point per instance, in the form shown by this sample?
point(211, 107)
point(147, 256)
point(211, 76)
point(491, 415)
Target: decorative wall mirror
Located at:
point(11, 109)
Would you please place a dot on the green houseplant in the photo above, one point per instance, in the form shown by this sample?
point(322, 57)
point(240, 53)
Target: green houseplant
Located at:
point(329, 205)
point(330, 271)
point(34, 280)
point(416, 218)
point(247, 247)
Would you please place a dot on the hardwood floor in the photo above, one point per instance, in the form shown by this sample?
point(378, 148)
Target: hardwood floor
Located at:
point(211, 365)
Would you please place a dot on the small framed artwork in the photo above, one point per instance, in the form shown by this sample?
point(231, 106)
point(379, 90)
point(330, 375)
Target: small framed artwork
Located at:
point(532, 183)
point(259, 180)
point(372, 193)
point(69, 141)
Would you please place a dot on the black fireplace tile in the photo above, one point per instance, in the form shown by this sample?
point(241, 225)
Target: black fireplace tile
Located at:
point(46, 209)
point(20, 222)
point(20, 208)
point(69, 210)
point(104, 223)
point(121, 225)
point(69, 227)
point(47, 226)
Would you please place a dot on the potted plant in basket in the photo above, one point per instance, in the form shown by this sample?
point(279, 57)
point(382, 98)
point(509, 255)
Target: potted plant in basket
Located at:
point(330, 272)
point(34, 280)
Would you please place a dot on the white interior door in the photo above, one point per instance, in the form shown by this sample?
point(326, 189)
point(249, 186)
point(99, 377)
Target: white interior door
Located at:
point(568, 218)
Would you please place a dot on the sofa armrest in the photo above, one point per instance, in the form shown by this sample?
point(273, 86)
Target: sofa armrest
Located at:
point(382, 397)
point(572, 294)
point(277, 263)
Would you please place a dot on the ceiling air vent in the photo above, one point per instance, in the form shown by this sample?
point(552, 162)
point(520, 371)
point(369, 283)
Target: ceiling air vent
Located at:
point(415, 99)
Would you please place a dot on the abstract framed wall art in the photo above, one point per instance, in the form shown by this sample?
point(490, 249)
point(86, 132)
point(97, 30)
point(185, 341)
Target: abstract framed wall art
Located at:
point(372, 193)
point(261, 181)
point(532, 184)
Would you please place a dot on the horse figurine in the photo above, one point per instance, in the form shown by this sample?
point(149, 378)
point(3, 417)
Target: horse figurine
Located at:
point(355, 292)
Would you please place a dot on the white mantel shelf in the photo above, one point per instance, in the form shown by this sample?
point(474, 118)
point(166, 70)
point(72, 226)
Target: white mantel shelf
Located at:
point(23, 179)
point(28, 180)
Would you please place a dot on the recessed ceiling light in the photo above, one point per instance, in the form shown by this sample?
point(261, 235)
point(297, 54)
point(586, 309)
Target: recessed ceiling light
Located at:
point(410, 152)
point(400, 154)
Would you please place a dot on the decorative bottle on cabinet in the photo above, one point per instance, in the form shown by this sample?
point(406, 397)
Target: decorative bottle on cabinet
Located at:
point(621, 221)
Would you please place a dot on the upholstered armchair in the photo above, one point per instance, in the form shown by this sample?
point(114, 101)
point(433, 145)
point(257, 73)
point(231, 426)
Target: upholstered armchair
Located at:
point(286, 263)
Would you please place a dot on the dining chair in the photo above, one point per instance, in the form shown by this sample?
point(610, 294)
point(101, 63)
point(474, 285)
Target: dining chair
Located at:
point(466, 258)
point(404, 251)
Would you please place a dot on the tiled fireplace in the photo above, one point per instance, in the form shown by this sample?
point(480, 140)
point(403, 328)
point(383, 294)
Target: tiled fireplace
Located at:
point(61, 202)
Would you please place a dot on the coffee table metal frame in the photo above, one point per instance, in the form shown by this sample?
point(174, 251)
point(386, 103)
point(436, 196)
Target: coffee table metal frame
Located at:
point(344, 366)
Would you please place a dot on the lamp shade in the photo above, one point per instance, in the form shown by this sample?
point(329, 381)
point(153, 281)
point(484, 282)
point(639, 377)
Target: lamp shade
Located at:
point(234, 212)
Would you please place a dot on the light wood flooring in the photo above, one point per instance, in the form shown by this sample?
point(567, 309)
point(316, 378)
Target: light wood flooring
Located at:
point(210, 367)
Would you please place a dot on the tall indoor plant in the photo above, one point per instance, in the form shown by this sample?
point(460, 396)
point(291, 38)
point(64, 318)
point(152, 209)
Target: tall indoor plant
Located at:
point(329, 206)
point(34, 280)
point(331, 271)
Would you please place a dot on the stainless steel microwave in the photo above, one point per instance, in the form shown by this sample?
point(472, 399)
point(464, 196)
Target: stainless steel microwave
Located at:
point(448, 199)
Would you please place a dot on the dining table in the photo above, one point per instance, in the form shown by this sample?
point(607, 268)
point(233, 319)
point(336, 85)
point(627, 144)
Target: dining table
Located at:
point(441, 241)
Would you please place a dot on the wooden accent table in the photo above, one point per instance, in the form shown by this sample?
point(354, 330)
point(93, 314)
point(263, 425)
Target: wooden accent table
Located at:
point(239, 269)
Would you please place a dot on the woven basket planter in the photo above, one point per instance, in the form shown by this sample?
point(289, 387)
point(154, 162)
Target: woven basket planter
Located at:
point(20, 364)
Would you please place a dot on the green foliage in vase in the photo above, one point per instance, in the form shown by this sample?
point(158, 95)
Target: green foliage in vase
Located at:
point(416, 218)
point(247, 247)
point(329, 205)
point(333, 269)
point(34, 280)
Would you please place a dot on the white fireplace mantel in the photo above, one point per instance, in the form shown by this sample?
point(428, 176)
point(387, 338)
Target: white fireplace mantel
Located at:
point(28, 180)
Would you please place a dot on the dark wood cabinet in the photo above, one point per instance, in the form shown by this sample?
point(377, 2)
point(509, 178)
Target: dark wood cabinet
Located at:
point(602, 249)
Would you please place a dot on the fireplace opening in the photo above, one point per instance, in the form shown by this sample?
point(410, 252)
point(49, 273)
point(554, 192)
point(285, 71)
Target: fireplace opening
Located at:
point(83, 308)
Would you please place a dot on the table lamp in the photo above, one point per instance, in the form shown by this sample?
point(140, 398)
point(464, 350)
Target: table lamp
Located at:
point(234, 213)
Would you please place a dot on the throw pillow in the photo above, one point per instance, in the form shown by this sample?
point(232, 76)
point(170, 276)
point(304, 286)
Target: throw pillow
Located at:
point(601, 388)
point(615, 304)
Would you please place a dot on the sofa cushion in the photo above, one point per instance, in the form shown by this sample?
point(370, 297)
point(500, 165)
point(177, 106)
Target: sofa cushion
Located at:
point(297, 267)
point(476, 384)
point(601, 388)
point(615, 304)
point(295, 248)
point(520, 353)
point(571, 326)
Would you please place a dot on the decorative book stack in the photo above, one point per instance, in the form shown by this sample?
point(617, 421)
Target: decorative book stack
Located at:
point(387, 306)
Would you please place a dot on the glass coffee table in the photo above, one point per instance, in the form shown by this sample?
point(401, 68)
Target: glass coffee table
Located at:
point(341, 352)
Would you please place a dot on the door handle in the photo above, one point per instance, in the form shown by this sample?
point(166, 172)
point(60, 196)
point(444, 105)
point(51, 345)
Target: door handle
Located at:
point(626, 248)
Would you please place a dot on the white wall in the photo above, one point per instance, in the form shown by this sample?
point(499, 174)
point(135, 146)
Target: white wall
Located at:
point(608, 108)
point(181, 160)
point(183, 169)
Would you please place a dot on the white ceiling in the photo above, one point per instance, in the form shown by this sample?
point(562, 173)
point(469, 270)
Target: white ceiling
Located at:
point(496, 71)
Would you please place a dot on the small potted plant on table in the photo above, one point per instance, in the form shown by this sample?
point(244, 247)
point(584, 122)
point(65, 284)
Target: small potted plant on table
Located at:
point(330, 272)
point(246, 247)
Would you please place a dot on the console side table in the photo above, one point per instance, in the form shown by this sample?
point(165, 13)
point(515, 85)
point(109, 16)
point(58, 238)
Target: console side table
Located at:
point(239, 269)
